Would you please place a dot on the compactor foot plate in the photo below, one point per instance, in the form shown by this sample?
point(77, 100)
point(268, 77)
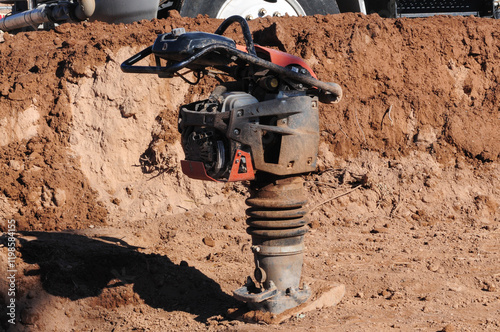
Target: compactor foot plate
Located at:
point(324, 295)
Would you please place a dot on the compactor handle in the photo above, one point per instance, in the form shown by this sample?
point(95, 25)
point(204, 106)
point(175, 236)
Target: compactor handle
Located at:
point(334, 90)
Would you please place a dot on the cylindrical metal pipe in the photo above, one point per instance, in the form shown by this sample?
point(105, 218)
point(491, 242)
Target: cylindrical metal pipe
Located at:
point(57, 13)
point(32, 17)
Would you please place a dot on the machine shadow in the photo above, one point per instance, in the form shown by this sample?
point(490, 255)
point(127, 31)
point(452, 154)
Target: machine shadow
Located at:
point(75, 266)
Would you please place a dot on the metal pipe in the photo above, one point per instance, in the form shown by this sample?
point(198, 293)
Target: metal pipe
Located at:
point(57, 13)
point(32, 17)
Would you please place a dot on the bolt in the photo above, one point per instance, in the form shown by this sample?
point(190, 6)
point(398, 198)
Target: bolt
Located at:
point(236, 131)
point(239, 113)
point(277, 14)
point(255, 249)
point(239, 154)
point(262, 12)
point(283, 121)
point(249, 17)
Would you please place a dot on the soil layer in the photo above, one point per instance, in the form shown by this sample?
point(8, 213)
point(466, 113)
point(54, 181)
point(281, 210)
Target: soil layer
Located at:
point(404, 207)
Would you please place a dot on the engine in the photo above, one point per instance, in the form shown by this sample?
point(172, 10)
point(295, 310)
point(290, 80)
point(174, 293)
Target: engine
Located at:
point(227, 137)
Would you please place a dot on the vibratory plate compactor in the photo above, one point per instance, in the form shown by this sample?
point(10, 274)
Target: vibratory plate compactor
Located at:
point(262, 127)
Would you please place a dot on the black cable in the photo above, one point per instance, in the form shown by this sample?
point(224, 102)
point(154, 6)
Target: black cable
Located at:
point(247, 35)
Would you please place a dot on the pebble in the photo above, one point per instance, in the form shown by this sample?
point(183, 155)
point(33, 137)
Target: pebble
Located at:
point(449, 328)
point(60, 197)
point(397, 296)
point(489, 287)
point(427, 198)
point(15, 165)
point(360, 295)
point(386, 294)
point(208, 215)
point(433, 267)
point(63, 28)
point(377, 230)
point(209, 241)
point(314, 224)
point(455, 288)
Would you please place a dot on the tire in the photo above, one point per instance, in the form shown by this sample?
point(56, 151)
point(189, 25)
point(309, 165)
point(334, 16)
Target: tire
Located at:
point(191, 8)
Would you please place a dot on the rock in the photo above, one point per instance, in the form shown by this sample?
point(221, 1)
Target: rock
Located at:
point(63, 28)
point(433, 267)
point(377, 230)
point(455, 288)
point(6, 36)
point(129, 190)
point(208, 215)
point(314, 224)
point(449, 328)
point(489, 287)
point(397, 296)
point(426, 136)
point(209, 241)
point(59, 197)
point(47, 196)
point(15, 165)
point(386, 294)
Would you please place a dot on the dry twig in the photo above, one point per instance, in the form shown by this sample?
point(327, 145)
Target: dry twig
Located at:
point(333, 198)
point(388, 113)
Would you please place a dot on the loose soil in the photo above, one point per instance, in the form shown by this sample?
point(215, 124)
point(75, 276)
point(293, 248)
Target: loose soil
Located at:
point(112, 237)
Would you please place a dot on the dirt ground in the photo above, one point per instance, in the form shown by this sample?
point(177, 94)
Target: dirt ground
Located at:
point(111, 236)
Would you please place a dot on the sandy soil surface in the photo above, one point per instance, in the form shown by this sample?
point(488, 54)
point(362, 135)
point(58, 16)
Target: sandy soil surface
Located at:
point(112, 237)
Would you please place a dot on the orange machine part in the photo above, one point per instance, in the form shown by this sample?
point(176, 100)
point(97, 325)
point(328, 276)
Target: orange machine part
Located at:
point(280, 58)
point(196, 169)
point(235, 175)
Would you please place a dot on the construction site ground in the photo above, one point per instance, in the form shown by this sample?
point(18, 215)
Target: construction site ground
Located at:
point(111, 236)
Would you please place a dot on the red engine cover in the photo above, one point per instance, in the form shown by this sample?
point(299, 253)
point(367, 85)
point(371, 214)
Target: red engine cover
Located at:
point(280, 58)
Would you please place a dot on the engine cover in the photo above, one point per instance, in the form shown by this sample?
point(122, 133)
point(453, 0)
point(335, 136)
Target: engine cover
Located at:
point(226, 139)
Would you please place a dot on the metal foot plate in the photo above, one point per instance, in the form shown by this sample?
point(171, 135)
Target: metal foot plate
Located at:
point(324, 295)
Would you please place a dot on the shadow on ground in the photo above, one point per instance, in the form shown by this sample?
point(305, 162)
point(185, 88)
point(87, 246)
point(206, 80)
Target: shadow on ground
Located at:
point(76, 266)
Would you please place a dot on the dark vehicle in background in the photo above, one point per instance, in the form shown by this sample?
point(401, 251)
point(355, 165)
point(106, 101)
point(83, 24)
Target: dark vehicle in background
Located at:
point(44, 13)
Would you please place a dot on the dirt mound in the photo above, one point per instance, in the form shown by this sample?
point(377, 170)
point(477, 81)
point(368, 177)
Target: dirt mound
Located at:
point(85, 146)
point(408, 84)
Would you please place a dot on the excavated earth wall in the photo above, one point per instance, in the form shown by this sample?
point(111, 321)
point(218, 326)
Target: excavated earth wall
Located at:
point(115, 237)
